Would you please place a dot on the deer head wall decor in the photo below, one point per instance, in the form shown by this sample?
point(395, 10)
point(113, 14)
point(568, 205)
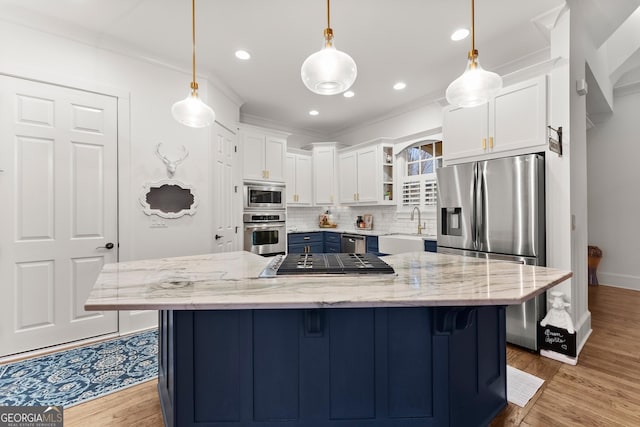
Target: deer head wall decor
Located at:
point(171, 164)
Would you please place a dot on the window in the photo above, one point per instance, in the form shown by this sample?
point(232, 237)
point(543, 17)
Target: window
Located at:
point(419, 187)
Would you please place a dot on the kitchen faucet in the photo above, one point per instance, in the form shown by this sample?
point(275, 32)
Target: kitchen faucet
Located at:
point(419, 221)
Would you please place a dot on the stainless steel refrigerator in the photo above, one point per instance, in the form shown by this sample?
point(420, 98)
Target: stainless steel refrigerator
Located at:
point(495, 209)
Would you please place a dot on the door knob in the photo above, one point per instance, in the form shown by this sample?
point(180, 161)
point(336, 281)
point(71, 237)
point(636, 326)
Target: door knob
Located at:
point(107, 246)
point(218, 236)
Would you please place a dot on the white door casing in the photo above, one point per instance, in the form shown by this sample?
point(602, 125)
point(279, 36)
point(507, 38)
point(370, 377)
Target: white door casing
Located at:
point(225, 191)
point(58, 153)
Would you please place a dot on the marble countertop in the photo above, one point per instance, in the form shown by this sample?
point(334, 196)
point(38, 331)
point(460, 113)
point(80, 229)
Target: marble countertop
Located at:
point(230, 281)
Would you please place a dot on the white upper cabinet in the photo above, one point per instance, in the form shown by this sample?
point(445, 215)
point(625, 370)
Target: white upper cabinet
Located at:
point(263, 153)
point(515, 121)
point(368, 174)
point(348, 178)
point(359, 178)
point(324, 170)
point(298, 179)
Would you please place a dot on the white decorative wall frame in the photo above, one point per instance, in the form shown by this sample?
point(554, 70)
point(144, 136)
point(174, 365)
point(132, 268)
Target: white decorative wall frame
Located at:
point(168, 198)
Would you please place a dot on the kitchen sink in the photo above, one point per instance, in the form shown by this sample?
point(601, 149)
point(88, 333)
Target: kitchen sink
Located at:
point(399, 243)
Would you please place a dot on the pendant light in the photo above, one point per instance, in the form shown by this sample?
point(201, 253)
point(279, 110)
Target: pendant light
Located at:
point(191, 111)
point(476, 85)
point(328, 71)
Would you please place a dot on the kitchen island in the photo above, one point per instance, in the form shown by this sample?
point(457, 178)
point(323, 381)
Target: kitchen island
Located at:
point(423, 347)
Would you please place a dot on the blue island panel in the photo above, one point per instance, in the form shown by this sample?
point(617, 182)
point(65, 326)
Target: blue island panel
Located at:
point(365, 367)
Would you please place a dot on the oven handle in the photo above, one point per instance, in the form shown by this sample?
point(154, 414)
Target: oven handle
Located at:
point(263, 226)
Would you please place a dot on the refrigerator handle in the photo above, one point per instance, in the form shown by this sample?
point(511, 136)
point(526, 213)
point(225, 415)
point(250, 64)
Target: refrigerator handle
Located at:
point(474, 208)
point(479, 207)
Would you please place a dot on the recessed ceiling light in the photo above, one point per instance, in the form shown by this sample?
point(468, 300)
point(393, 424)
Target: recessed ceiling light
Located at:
point(313, 113)
point(460, 34)
point(399, 85)
point(243, 54)
point(349, 94)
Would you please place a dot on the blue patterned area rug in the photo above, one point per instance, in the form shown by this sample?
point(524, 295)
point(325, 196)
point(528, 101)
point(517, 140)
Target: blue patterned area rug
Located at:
point(80, 374)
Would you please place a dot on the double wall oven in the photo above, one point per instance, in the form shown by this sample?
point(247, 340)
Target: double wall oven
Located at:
point(265, 230)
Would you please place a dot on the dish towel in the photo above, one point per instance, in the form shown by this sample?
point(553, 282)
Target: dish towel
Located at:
point(521, 386)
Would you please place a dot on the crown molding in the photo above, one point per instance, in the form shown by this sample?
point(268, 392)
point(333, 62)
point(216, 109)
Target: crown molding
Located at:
point(627, 89)
point(433, 98)
point(254, 120)
point(39, 23)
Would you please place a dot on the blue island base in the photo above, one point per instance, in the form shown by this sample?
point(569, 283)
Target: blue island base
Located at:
point(365, 367)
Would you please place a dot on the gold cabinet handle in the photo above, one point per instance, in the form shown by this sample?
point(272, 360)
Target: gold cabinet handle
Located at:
point(484, 143)
point(490, 142)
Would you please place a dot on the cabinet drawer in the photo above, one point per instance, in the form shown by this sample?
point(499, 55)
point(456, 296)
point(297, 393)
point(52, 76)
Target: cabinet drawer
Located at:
point(315, 248)
point(331, 237)
point(332, 248)
point(305, 238)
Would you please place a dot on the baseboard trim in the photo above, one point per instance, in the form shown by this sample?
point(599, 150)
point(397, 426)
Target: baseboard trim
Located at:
point(625, 281)
point(56, 348)
point(66, 346)
point(583, 330)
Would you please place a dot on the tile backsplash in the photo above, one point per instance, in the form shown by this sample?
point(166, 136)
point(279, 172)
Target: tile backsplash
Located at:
point(386, 219)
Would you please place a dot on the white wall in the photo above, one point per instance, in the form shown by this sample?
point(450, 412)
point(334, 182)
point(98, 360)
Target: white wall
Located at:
point(566, 174)
point(151, 89)
point(614, 196)
point(146, 91)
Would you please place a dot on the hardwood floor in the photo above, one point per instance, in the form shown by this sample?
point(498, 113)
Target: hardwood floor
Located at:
point(603, 389)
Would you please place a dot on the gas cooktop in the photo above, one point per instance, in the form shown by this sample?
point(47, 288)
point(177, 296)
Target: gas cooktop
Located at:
point(346, 263)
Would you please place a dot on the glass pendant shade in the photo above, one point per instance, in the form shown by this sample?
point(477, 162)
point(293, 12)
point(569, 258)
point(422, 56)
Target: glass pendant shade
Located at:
point(474, 87)
point(329, 71)
point(192, 112)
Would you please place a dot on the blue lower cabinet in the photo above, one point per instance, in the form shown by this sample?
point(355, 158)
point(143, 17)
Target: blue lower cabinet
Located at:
point(315, 248)
point(332, 248)
point(347, 367)
point(332, 242)
point(298, 243)
point(372, 244)
point(431, 246)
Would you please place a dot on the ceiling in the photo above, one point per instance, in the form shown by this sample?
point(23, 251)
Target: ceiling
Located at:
point(404, 40)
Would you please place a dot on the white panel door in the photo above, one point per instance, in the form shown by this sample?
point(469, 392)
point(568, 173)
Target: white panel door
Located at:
point(58, 156)
point(225, 189)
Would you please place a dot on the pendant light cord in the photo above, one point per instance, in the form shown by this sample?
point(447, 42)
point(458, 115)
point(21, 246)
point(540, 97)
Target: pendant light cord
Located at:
point(194, 85)
point(473, 27)
point(328, 32)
